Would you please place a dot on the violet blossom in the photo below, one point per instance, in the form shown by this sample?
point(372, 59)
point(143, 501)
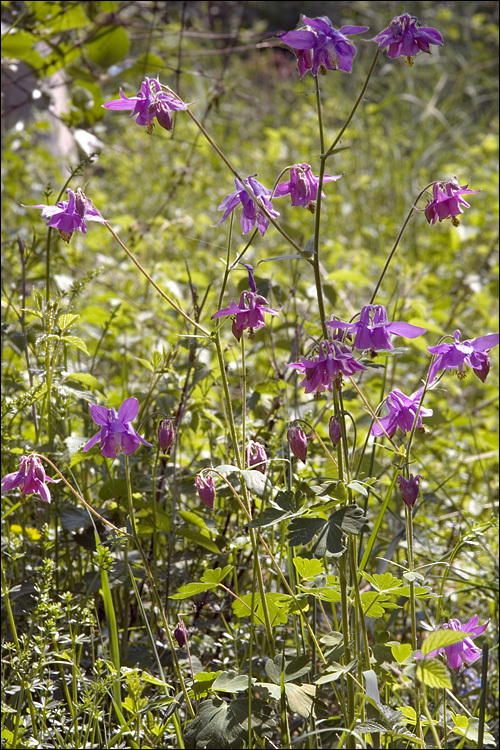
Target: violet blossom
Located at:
point(68, 216)
point(250, 311)
point(303, 186)
point(334, 431)
point(298, 442)
point(333, 360)
point(181, 634)
point(464, 652)
point(402, 412)
point(256, 456)
point(455, 356)
point(373, 329)
point(447, 202)
point(206, 489)
point(166, 434)
point(150, 102)
point(117, 434)
point(319, 46)
point(409, 488)
point(251, 214)
point(406, 38)
point(30, 478)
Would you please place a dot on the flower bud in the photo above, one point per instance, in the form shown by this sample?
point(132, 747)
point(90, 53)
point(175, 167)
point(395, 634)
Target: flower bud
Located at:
point(206, 489)
point(164, 115)
point(166, 434)
point(256, 456)
point(334, 430)
point(181, 634)
point(409, 489)
point(298, 442)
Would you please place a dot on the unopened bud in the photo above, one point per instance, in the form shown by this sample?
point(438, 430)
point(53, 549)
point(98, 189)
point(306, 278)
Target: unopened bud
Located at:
point(164, 115)
point(181, 634)
point(334, 430)
point(166, 434)
point(256, 456)
point(409, 489)
point(298, 442)
point(206, 489)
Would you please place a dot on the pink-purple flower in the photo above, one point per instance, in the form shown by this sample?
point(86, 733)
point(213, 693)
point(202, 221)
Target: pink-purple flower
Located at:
point(406, 38)
point(166, 434)
point(68, 216)
point(334, 431)
point(373, 329)
point(256, 456)
point(333, 361)
point(409, 488)
point(298, 442)
point(206, 489)
point(250, 311)
point(303, 186)
point(464, 652)
point(30, 478)
point(251, 213)
point(117, 435)
point(402, 412)
point(447, 202)
point(455, 356)
point(150, 102)
point(319, 46)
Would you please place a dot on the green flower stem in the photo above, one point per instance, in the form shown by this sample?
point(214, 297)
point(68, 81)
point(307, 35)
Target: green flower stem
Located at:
point(429, 718)
point(398, 239)
point(155, 285)
point(114, 645)
point(357, 596)
point(154, 590)
point(350, 742)
point(315, 259)
point(376, 527)
point(409, 540)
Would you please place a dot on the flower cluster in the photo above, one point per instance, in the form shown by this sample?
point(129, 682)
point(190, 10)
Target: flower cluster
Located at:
point(71, 215)
point(333, 361)
point(150, 103)
point(373, 330)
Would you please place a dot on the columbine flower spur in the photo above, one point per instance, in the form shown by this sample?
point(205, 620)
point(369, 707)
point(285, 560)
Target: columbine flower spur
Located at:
point(68, 216)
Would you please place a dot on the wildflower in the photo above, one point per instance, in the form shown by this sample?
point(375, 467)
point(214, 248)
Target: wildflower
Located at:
point(303, 186)
point(30, 478)
point(67, 216)
point(151, 102)
point(447, 202)
point(457, 355)
point(372, 331)
point(319, 46)
point(206, 489)
point(402, 412)
point(166, 434)
point(117, 435)
point(256, 456)
point(405, 38)
point(409, 488)
point(332, 362)
point(334, 431)
point(250, 311)
point(465, 651)
point(298, 442)
point(181, 634)
point(251, 214)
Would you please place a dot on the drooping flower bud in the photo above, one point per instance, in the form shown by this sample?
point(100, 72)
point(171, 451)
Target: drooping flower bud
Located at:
point(298, 442)
point(166, 434)
point(334, 430)
point(256, 456)
point(163, 114)
point(181, 634)
point(409, 488)
point(206, 489)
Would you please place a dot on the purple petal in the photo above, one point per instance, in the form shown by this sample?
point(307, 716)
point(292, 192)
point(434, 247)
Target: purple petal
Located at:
point(301, 39)
point(353, 29)
point(233, 309)
point(483, 343)
point(92, 442)
point(16, 479)
point(99, 414)
point(405, 329)
point(128, 410)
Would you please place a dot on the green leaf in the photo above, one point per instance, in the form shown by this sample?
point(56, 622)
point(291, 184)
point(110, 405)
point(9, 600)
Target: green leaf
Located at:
point(217, 575)
point(86, 379)
point(277, 604)
point(113, 489)
point(468, 728)
point(358, 487)
point(334, 672)
point(350, 519)
point(302, 530)
point(268, 517)
point(401, 652)
point(256, 481)
point(64, 321)
point(109, 46)
point(384, 582)
point(308, 569)
point(200, 539)
point(225, 725)
point(151, 523)
point(376, 604)
point(146, 363)
point(441, 639)
point(230, 682)
point(18, 45)
point(432, 672)
point(300, 698)
point(77, 342)
point(192, 589)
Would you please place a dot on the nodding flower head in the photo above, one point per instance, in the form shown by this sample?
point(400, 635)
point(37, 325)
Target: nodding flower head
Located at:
point(30, 478)
point(334, 360)
point(71, 215)
point(256, 456)
point(150, 103)
point(373, 329)
point(455, 356)
point(250, 312)
point(447, 202)
point(409, 488)
point(298, 442)
point(166, 434)
point(252, 212)
point(404, 37)
point(206, 490)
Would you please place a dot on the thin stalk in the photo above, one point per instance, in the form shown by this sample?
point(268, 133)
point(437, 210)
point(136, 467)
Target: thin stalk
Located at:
point(315, 259)
point(482, 700)
point(409, 539)
point(350, 742)
point(376, 527)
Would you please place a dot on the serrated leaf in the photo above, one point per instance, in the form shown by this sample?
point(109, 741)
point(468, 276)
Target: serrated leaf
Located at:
point(64, 321)
point(376, 604)
point(217, 575)
point(401, 652)
point(383, 582)
point(441, 639)
point(308, 569)
point(433, 673)
point(297, 667)
point(277, 604)
point(192, 589)
point(230, 682)
point(77, 342)
point(367, 727)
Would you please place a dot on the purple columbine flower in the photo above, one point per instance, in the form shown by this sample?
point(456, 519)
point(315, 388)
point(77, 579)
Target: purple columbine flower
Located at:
point(68, 216)
point(256, 456)
point(373, 330)
point(206, 489)
point(334, 431)
point(117, 434)
point(447, 202)
point(405, 38)
point(455, 356)
point(30, 478)
point(250, 311)
point(303, 186)
point(181, 634)
point(332, 362)
point(402, 412)
point(251, 214)
point(151, 102)
point(409, 488)
point(298, 442)
point(166, 434)
point(464, 652)
point(319, 46)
